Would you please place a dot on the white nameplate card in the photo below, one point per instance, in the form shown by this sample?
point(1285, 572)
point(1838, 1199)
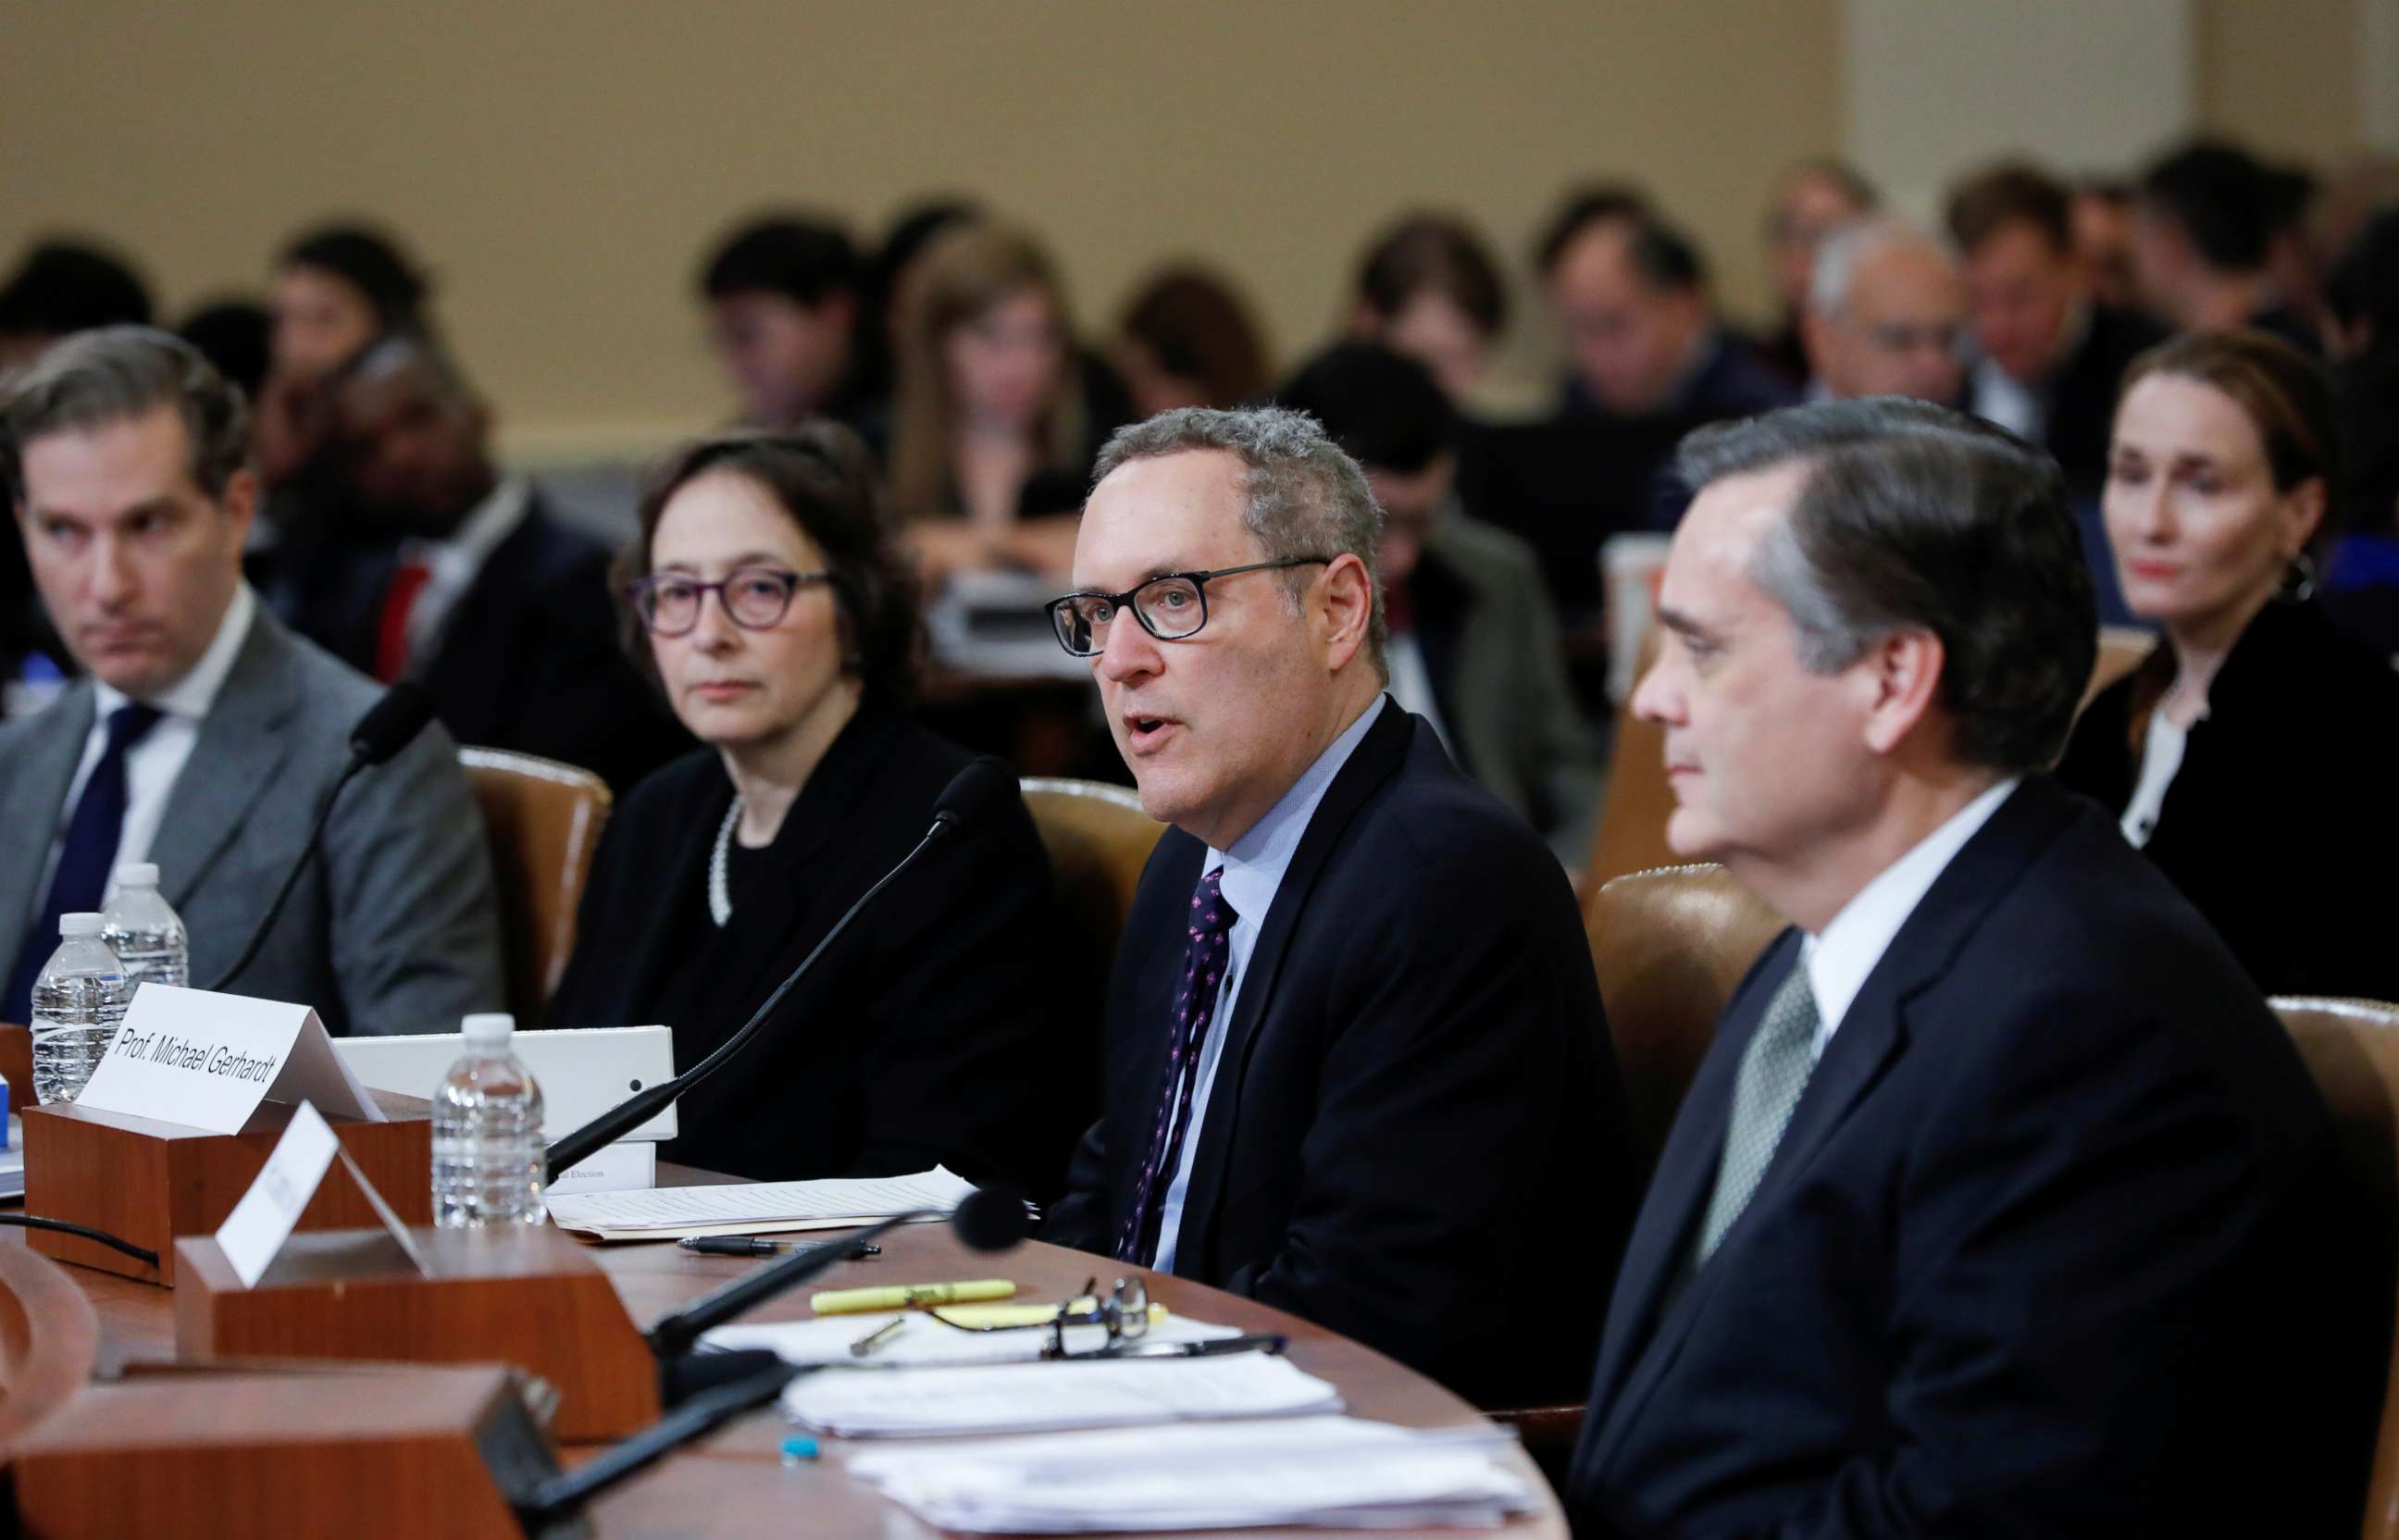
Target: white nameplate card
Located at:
point(207, 1060)
point(262, 1220)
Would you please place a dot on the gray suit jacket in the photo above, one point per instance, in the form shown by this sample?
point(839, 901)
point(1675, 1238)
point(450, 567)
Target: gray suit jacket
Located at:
point(391, 929)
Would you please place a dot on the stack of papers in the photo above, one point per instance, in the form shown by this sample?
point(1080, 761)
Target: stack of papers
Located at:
point(1331, 1472)
point(923, 1342)
point(1039, 1398)
point(754, 1208)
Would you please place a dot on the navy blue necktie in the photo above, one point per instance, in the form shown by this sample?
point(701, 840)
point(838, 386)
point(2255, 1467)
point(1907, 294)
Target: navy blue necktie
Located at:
point(1195, 1003)
point(87, 854)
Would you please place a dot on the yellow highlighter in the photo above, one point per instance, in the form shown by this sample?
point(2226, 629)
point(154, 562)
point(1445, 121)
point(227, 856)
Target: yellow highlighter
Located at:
point(850, 1301)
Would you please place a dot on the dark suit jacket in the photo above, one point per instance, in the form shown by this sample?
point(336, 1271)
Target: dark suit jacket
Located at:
point(925, 1034)
point(528, 657)
point(1416, 1136)
point(2281, 822)
point(2050, 1246)
point(2081, 399)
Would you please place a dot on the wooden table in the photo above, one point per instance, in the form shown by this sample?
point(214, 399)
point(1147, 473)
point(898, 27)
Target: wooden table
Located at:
point(733, 1482)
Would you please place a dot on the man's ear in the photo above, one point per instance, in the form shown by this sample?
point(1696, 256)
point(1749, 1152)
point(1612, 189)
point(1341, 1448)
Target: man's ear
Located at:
point(1347, 607)
point(1901, 676)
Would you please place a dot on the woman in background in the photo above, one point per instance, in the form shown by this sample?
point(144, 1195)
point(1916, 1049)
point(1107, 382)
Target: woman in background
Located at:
point(1429, 290)
point(1189, 339)
point(997, 418)
point(2250, 755)
point(769, 602)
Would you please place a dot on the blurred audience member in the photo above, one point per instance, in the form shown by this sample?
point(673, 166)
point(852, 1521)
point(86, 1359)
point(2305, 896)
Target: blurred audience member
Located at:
point(997, 417)
point(2361, 582)
point(1810, 199)
point(1473, 644)
point(2051, 356)
point(1189, 338)
point(1887, 315)
point(237, 337)
point(462, 580)
point(63, 286)
point(2103, 238)
point(2295, 263)
point(2204, 231)
point(2254, 722)
point(915, 227)
point(335, 288)
point(783, 301)
point(1428, 289)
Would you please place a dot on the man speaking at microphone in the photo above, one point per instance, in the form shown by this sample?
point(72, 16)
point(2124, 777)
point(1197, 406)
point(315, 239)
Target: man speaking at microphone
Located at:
point(204, 734)
point(1356, 1067)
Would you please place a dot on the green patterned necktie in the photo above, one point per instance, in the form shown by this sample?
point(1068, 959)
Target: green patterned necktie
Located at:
point(1774, 1070)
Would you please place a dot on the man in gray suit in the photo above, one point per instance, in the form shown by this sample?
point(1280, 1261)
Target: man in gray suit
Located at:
point(205, 735)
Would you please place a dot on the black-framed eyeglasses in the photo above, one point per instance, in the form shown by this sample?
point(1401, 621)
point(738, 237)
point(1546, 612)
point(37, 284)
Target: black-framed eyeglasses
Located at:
point(754, 598)
point(1124, 1313)
point(1170, 607)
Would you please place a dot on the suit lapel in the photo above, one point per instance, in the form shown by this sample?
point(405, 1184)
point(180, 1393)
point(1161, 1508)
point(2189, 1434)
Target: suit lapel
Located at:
point(38, 785)
point(1377, 759)
point(233, 766)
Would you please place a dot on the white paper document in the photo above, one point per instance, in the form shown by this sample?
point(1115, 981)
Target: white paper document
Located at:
point(1029, 1398)
point(922, 1340)
point(1333, 1472)
point(755, 1208)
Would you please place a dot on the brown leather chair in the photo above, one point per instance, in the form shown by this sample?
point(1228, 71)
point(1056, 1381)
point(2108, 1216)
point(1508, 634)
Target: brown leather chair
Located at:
point(543, 819)
point(1098, 839)
point(2352, 1047)
point(2121, 648)
point(1670, 946)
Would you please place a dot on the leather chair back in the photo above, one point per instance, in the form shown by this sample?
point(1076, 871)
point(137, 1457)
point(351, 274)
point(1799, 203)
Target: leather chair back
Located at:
point(1098, 839)
point(543, 819)
point(2352, 1048)
point(1670, 945)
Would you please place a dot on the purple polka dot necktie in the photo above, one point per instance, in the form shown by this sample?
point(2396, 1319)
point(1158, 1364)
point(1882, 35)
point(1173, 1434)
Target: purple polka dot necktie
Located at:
point(1204, 957)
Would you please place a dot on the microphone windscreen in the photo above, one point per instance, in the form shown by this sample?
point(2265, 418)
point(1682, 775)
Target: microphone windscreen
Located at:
point(974, 792)
point(992, 1219)
point(392, 723)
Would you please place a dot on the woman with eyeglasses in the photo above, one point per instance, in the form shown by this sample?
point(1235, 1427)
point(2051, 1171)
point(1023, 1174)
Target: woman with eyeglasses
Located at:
point(766, 598)
point(2251, 754)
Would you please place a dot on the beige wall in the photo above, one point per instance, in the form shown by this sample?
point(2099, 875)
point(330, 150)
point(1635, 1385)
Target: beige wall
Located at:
point(561, 164)
point(2282, 75)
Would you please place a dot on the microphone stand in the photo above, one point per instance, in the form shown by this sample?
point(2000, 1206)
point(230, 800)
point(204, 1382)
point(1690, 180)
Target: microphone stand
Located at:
point(639, 1108)
point(291, 878)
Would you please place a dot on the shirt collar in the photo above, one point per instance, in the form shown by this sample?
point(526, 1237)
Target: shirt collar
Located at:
point(1844, 954)
point(192, 695)
point(478, 534)
point(1254, 865)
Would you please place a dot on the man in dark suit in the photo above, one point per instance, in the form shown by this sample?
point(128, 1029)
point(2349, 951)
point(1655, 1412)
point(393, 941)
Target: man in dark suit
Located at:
point(2002, 1205)
point(460, 577)
point(2206, 222)
point(1356, 1067)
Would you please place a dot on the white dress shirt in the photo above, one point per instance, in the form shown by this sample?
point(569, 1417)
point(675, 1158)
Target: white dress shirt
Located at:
point(152, 765)
point(1844, 954)
point(1254, 869)
point(2162, 754)
point(451, 565)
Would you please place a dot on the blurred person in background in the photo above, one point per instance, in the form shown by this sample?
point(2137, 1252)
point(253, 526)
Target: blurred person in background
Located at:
point(2103, 238)
point(913, 228)
point(333, 290)
point(63, 287)
point(1428, 287)
point(1810, 199)
point(1887, 315)
point(2204, 232)
point(2254, 720)
point(1189, 338)
point(236, 335)
point(784, 304)
point(2359, 587)
point(997, 416)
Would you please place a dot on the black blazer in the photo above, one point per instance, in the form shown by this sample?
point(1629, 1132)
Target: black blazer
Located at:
point(2081, 397)
point(1416, 1136)
point(2050, 1246)
point(922, 1035)
point(2280, 825)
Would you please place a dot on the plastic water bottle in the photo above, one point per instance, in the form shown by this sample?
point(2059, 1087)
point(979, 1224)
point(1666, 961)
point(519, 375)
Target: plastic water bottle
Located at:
point(487, 1148)
point(78, 1002)
point(144, 931)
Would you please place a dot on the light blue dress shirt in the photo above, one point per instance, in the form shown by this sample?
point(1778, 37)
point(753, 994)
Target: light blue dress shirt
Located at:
point(1253, 870)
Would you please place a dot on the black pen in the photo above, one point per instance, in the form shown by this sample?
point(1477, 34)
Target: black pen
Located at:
point(754, 1245)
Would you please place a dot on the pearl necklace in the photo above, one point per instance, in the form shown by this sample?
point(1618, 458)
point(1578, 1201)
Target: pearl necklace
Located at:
point(720, 897)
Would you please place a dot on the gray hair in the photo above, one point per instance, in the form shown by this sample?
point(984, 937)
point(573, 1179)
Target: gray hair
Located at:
point(1307, 497)
point(95, 378)
point(1847, 247)
point(1915, 516)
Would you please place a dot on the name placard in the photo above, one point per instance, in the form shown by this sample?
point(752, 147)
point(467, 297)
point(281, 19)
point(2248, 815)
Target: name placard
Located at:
point(207, 1060)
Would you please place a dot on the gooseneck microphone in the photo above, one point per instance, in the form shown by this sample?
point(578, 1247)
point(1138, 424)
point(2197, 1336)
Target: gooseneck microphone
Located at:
point(390, 725)
point(973, 793)
point(704, 1389)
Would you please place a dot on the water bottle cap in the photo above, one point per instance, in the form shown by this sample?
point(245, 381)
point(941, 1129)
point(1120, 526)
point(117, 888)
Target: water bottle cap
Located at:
point(137, 874)
point(490, 1026)
point(81, 925)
